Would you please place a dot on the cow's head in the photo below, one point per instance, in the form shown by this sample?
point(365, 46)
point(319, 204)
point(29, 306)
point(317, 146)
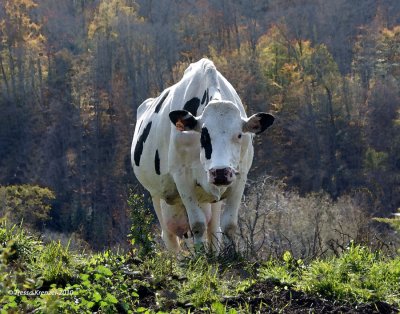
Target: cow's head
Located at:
point(222, 131)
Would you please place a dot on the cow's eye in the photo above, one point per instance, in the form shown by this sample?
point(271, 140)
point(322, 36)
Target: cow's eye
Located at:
point(240, 136)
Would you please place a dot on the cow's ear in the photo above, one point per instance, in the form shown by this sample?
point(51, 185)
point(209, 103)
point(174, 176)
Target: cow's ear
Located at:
point(183, 120)
point(258, 122)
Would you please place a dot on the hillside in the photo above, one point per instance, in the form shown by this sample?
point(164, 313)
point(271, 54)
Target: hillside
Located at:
point(50, 278)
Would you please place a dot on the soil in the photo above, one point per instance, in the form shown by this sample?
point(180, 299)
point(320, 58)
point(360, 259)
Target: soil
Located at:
point(269, 297)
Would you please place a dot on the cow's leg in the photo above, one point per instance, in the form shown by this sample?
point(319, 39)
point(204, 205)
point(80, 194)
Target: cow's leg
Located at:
point(197, 221)
point(229, 219)
point(196, 216)
point(170, 239)
point(214, 228)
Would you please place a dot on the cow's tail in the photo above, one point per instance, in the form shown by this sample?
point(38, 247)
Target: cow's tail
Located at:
point(210, 72)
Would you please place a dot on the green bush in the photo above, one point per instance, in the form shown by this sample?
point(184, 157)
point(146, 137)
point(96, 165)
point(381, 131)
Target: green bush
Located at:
point(30, 203)
point(141, 232)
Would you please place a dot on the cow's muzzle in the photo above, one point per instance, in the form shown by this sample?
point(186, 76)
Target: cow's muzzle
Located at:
point(222, 176)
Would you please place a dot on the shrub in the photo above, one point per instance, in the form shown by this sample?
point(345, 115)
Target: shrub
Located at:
point(141, 233)
point(30, 203)
point(274, 221)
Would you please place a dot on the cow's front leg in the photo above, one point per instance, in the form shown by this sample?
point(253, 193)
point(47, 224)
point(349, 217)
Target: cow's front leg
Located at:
point(196, 216)
point(197, 221)
point(214, 229)
point(229, 219)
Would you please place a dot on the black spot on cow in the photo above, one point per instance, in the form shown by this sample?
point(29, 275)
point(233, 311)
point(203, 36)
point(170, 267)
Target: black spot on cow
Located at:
point(140, 143)
point(157, 163)
point(192, 105)
point(158, 107)
point(205, 142)
point(203, 99)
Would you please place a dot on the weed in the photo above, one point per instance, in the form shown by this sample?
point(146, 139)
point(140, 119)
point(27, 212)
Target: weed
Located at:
point(21, 244)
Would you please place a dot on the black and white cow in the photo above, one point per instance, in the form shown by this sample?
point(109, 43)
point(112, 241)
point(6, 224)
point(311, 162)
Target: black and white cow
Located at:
point(198, 161)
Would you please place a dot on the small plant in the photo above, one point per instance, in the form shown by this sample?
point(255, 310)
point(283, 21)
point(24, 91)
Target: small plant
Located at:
point(20, 244)
point(285, 271)
point(56, 263)
point(141, 233)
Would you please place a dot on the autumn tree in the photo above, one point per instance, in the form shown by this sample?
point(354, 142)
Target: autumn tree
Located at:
point(305, 85)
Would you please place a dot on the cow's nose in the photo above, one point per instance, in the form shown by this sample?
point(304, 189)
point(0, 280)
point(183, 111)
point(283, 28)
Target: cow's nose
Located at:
point(222, 176)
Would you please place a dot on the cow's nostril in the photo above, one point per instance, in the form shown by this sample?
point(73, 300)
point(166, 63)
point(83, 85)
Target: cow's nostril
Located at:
point(220, 173)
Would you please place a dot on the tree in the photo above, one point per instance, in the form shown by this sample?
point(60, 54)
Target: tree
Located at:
point(29, 204)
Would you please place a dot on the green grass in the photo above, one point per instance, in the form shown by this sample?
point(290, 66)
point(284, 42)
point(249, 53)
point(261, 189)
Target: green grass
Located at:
point(109, 282)
point(358, 275)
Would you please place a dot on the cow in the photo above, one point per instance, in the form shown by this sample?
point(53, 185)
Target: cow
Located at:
point(192, 150)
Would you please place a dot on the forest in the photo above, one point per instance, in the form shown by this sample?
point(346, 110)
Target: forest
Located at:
point(73, 73)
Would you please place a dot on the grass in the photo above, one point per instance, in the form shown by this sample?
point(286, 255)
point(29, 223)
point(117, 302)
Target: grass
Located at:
point(109, 282)
point(358, 275)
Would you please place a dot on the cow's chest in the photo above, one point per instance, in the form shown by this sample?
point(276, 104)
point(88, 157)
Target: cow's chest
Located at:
point(209, 196)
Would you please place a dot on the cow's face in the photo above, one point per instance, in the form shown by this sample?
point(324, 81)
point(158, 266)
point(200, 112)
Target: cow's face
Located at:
point(222, 131)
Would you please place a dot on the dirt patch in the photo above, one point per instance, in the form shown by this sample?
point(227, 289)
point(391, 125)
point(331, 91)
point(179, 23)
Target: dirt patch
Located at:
point(271, 297)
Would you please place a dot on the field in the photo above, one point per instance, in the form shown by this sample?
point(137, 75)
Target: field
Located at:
point(38, 277)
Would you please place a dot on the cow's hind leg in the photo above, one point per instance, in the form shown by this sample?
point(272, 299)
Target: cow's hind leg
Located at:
point(170, 239)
